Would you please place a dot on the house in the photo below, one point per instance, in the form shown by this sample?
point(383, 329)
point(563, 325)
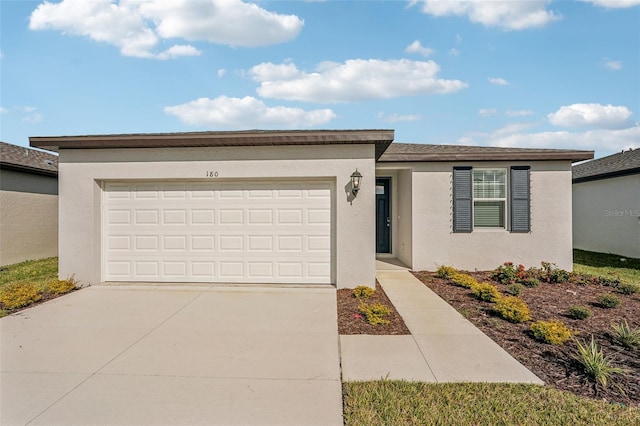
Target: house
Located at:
point(606, 204)
point(302, 206)
point(28, 204)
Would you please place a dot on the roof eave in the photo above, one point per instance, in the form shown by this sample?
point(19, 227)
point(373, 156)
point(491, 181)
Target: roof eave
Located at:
point(572, 156)
point(601, 176)
point(27, 169)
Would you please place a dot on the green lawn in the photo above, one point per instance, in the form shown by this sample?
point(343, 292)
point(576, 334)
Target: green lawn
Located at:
point(35, 271)
point(411, 403)
point(607, 265)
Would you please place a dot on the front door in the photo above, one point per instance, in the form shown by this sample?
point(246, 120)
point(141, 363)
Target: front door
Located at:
point(383, 215)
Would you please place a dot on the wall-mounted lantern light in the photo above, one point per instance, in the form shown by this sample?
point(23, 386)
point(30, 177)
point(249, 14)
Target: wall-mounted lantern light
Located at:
point(356, 178)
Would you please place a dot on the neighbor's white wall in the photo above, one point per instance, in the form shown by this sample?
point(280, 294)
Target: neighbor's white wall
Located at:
point(434, 242)
point(606, 215)
point(82, 171)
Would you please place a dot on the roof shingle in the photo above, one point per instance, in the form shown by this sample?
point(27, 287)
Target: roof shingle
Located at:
point(26, 159)
point(622, 163)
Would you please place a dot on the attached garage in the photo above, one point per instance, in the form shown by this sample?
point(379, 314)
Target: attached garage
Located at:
point(277, 231)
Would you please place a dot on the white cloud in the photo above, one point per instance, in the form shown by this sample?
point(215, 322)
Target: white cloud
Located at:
point(614, 4)
point(454, 52)
point(247, 112)
point(486, 112)
point(137, 27)
point(34, 117)
point(417, 47)
point(498, 81)
point(395, 118)
point(508, 15)
point(612, 64)
point(518, 113)
point(221, 72)
point(353, 80)
point(3, 110)
point(591, 115)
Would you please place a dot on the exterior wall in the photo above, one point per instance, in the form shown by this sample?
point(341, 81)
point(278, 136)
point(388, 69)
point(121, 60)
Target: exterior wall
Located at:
point(28, 217)
point(83, 171)
point(434, 243)
point(606, 215)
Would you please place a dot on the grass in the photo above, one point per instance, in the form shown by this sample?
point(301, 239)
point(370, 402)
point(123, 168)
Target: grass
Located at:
point(607, 265)
point(410, 403)
point(38, 272)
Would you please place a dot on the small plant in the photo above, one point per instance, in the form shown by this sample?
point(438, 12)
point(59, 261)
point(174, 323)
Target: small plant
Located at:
point(508, 273)
point(375, 313)
point(628, 288)
point(515, 289)
point(447, 272)
point(608, 301)
point(363, 292)
point(579, 312)
point(61, 286)
point(17, 295)
point(464, 280)
point(487, 292)
point(551, 332)
point(531, 282)
point(552, 274)
point(625, 335)
point(597, 366)
point(513, 309)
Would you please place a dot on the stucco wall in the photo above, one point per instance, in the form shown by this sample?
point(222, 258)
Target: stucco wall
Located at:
point(82, 171)
point(434, 243)
point(606, 215)
point(28, 219)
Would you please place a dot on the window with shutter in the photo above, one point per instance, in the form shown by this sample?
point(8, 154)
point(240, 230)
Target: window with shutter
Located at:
point(489, 198)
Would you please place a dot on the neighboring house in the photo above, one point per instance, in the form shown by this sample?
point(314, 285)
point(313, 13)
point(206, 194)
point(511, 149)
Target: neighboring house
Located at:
point(279, 206)
point(28, 204)
point(606, 204)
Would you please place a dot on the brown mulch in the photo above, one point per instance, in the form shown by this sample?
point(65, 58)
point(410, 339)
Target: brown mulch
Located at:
point(555, 364)
point(351, 321)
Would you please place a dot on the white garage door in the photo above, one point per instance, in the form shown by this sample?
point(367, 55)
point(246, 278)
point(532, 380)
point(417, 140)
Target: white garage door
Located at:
point(233, 232)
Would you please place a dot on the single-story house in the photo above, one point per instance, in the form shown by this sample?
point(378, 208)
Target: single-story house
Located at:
point(606, 204)
point(311, 207)
point(28, 204)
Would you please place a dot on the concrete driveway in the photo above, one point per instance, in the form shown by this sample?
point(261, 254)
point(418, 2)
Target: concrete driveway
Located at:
point(137, 355)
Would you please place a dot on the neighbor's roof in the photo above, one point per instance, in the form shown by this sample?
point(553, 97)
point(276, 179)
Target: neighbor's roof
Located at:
point(20, 158)
point(620, 164)
point(381, 139)
point(406, 152)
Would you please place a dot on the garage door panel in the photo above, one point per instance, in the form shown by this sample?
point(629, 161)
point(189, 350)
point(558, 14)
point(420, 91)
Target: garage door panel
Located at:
point(217, 232)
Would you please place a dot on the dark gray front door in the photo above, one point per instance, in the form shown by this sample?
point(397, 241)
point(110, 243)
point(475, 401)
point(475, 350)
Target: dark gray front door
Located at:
point(383, 215)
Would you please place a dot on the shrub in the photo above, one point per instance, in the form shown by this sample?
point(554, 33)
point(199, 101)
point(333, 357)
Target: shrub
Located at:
point(552, 274)
point(628, 288)
point(363, 292)
point(375, 313)
point(447, 272)
point(487, 292)
point(597, 366)
point(579, 312)
point(513, 309)
point(508, 273)
point(608, 301)
point(625, 335)
point(464, 280)
point(17, 295)
point(552, 332)
point(515, 289)
point(61, 286)
point(531, 282)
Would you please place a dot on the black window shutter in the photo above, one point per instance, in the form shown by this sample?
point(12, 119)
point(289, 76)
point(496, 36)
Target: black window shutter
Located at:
point(462, 199)
point(520, 199)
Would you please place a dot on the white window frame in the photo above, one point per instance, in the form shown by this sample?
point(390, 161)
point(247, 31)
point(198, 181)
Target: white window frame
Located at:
point(504, 199)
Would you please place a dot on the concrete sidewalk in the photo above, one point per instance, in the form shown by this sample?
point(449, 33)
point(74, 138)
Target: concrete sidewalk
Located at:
point(443, 345)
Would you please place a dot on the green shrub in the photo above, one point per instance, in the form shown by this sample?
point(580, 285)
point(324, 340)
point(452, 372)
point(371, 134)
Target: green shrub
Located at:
point(3, 313)
point(17, 295)
point(628, 288)
point(552, 274)
point(597, 366)
point(61, 286)
point(464, 280)
point(447, 272)
point(515, 289)
point(552, 332)
point(579, 312)
point(608, 301)
point(363, 292)
point(508, 273)
point(625, 335)
point(531, 282)
point(513, 309)
point(375, 313)
point(487, 292)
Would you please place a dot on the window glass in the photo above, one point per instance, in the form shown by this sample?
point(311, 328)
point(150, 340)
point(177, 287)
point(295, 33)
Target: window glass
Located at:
point(489, 195)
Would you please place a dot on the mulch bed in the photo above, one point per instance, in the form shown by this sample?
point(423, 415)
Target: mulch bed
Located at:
point(555, 364)
point(351, 321)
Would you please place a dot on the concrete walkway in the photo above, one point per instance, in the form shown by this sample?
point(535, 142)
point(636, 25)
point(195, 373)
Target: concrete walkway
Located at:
point(137, 355)
point(443, 345)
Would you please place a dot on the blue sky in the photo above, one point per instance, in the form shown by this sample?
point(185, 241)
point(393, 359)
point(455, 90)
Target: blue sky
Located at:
point(549, 74)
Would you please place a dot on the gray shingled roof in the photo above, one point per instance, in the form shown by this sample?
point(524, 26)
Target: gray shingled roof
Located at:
point(16, 157)
point(620, 164)
point(407, 152)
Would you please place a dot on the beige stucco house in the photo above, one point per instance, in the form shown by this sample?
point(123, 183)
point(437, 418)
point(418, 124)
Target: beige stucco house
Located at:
point(281, 206)
point(606, 204)
point(28, 204)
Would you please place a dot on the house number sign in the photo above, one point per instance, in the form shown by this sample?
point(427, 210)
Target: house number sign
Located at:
point(211, 173)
